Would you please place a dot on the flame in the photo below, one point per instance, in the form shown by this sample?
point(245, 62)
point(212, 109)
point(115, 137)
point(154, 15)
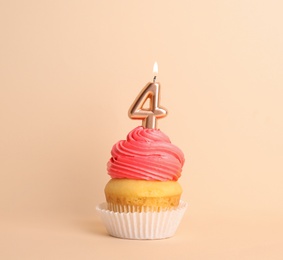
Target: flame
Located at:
point(155, 68)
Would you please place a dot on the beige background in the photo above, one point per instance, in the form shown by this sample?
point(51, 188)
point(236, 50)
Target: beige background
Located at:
point(69, 70)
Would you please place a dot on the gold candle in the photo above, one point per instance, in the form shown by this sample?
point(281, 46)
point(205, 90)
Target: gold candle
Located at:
point(149, 115)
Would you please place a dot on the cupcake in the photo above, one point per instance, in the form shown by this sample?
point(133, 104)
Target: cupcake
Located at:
point(143, 196)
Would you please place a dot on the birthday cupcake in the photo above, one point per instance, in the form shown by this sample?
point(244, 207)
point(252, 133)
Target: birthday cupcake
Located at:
point(143, 196)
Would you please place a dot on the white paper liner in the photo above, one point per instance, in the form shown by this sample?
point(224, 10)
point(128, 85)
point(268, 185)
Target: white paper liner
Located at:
point(142, 225)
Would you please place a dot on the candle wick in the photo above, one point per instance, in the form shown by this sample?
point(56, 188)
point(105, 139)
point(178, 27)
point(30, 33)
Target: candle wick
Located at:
point(154, 78)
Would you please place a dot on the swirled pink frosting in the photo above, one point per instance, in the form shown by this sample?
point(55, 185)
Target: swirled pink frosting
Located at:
point(147, 154)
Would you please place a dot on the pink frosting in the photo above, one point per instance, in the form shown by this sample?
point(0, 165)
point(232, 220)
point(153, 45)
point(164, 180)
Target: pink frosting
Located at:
point(147, 154)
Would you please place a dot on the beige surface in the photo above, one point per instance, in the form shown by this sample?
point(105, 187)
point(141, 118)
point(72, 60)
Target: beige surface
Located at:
point(69, 71)
point(224, 236)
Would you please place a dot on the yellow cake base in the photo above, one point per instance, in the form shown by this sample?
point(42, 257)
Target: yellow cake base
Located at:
point(125, 195)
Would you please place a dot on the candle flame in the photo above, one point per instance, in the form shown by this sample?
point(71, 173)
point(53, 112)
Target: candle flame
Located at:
point(155, 68)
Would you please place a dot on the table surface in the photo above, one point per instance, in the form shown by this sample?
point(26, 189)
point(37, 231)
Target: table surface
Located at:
point(227, 236)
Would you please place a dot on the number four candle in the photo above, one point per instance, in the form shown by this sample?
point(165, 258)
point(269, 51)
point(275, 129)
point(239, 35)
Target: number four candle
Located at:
point(149, 115)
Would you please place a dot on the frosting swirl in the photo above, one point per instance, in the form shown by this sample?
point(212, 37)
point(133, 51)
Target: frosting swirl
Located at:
point(147, 154)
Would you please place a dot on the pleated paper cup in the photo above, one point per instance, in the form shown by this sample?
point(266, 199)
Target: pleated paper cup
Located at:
point(142, 225)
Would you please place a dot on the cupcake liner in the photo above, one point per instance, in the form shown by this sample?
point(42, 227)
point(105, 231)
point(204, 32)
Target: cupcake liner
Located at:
point(142, 225)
